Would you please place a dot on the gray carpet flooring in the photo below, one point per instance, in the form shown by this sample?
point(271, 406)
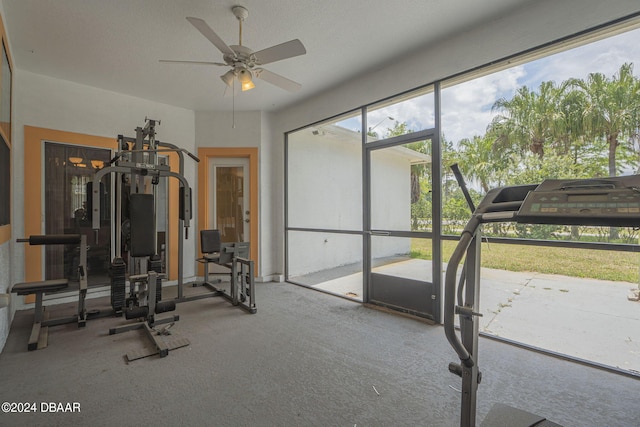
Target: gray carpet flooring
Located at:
point(305, 359)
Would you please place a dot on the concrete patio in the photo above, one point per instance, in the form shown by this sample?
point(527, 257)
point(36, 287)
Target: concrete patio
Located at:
point(582, 318)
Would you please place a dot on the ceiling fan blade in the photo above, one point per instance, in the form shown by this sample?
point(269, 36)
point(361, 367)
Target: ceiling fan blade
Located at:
point(206, 31)
point(279, 52)
point(193, 62)
point(277, 80)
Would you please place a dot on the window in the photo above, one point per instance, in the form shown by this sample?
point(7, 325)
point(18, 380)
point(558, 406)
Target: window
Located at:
point(324, 205)
point(566, 111)
point(572, 114)
point(324, 175)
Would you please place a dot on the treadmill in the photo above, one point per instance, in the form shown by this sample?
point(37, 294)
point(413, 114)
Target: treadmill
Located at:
point(612, 202)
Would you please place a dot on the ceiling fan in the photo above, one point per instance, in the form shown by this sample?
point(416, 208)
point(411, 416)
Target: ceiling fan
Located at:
point(246, 64)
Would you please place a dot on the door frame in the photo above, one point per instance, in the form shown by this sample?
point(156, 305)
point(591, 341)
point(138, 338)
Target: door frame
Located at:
point(435, 234)
point(204, 180)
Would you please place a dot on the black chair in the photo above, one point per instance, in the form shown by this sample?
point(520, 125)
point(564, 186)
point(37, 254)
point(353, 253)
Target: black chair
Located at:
point(210, 245)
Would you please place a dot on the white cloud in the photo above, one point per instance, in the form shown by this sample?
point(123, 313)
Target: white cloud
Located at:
point(466, 108)
point(604, 56)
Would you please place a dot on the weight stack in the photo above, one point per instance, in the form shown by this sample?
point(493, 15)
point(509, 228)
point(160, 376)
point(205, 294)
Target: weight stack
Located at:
point(155, 264)
point(118, 279)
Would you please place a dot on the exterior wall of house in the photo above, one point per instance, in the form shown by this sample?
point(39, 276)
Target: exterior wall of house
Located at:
point(325, 192)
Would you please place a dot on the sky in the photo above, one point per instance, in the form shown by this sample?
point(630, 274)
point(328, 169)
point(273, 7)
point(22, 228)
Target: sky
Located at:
point(466, 107)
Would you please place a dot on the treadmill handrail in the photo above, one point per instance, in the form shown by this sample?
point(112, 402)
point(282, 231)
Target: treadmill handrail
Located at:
point(450, 289)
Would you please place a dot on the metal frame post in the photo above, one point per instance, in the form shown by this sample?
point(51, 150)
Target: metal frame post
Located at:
point(469, 327)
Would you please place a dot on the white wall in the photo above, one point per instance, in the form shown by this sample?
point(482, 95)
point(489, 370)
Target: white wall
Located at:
point(217, 129)
point(245, 129)
point(269, 200)
point(325, 192)
point(47, 102)
point(325, 181)
point(539, 23)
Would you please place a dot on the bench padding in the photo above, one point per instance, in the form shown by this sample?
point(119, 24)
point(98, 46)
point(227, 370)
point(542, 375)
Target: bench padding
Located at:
point(54, 239)
point(45, 286)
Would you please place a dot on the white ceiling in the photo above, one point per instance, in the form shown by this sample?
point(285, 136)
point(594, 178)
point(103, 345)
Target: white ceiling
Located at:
point(116, 44)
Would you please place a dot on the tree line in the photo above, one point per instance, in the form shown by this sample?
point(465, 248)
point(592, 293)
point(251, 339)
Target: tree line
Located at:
point(580, 128)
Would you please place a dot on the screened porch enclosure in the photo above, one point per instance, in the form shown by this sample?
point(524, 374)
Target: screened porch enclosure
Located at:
point(572, 290)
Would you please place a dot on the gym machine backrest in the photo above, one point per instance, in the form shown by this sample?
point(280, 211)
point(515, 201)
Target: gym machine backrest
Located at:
point(210, 243)
point(613, 202)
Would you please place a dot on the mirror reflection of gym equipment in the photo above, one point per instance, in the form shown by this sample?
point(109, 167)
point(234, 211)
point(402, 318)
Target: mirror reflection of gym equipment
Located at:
point(138, 269)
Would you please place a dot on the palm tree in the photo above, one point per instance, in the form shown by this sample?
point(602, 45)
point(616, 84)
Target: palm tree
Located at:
point(480, 161)
point(529, 120)
point(570, 122)
point(611, 108)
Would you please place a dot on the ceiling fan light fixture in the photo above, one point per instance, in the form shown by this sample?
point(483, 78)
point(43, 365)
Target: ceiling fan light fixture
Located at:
point(246, 79)
point(248, 85)
point(244, 76)
point(227, 78)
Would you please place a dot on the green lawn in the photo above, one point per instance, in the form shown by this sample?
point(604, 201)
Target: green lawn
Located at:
point(588, 263)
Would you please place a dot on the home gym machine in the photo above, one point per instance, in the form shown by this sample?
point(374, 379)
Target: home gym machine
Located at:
point(612, 202)
point(136, 165)
point(41, 322)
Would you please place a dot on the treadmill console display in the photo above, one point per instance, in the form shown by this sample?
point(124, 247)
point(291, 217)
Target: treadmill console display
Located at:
point(613, 202)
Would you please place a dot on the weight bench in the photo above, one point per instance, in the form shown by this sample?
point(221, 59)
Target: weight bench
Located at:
point(40, 330)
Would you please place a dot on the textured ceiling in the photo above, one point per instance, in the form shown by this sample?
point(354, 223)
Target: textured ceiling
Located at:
point(116, 44)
